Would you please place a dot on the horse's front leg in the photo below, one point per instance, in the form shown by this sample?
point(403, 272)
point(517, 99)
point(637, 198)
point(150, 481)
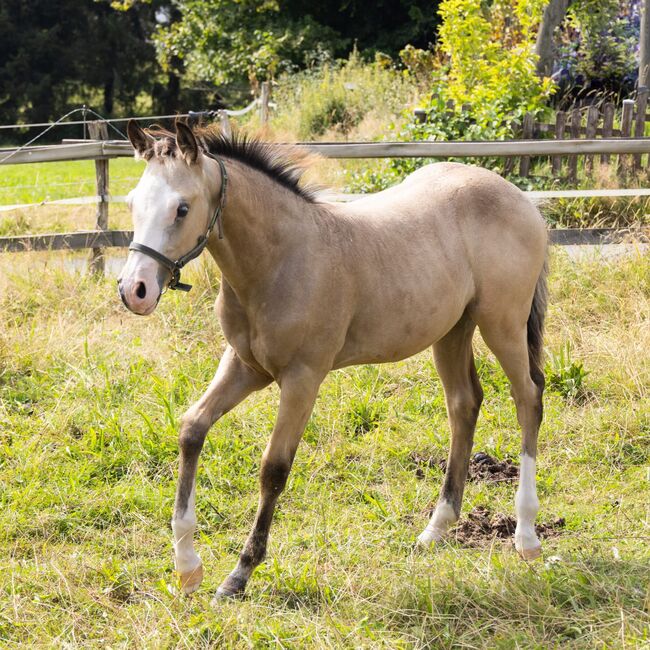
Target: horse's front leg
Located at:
point(298, 390)
point(231, 384)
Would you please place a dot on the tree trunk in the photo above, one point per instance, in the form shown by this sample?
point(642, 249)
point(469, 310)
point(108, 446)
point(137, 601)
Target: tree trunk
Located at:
point(544, 46)
point(171, 103)
point(644, 46)
point(109, 93)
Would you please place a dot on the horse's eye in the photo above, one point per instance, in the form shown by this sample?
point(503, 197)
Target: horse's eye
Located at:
point(182, 210)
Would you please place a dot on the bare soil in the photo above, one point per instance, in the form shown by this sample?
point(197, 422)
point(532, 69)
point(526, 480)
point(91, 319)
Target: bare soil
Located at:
point(482, 467)
point(481, 527)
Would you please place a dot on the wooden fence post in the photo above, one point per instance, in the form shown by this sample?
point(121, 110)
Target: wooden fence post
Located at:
point(639, 124)
point(560, 125)
point(528, 126)
point(98, 130)
point(420, 115)
point(265, 95)
point(224, 122)
point(608, 128)
point(576, 119)
point(593, 117)
point(626, 130)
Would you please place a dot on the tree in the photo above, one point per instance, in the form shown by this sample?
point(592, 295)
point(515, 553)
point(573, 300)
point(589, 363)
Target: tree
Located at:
point(545, 50)
point(229, 41)
point(56, 54)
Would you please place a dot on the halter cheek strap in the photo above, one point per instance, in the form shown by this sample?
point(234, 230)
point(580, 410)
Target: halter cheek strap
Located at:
point(174, 267)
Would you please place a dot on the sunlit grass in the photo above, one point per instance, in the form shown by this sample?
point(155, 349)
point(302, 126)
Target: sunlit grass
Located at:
point(33, 183)
point(90, 398)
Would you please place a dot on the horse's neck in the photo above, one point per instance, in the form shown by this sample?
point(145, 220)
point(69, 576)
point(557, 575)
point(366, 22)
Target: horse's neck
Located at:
point(263, 224)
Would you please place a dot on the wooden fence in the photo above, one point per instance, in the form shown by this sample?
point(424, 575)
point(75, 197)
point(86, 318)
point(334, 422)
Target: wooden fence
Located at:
point(590, 122)
point(101, 151)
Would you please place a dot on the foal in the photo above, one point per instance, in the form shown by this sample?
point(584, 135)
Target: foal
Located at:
point(309, 286)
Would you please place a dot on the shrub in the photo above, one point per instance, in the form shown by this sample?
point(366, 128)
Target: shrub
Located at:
point(339, 95)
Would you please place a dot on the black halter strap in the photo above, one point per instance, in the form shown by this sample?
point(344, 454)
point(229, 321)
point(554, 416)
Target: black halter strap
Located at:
point(174, 267)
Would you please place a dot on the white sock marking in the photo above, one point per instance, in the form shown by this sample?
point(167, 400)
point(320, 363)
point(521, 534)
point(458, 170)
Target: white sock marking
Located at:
point(526, 506)
point(441, 519)
point(186, 558)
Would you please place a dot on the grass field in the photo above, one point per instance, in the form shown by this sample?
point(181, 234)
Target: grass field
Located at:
point(90, 399)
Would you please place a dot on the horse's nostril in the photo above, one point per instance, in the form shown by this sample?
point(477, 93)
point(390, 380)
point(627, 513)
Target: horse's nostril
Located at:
point(140, 290)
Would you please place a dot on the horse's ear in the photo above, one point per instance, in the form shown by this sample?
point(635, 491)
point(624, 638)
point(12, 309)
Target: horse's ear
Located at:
point(186, 142)
point(140, 140)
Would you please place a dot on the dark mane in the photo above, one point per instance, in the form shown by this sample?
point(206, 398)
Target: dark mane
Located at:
point(268, 158)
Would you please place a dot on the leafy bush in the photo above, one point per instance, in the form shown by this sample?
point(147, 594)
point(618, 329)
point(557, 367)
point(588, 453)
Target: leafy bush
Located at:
point(482, 80)
point(598, 48)
point(491, 63)
point(332, 112)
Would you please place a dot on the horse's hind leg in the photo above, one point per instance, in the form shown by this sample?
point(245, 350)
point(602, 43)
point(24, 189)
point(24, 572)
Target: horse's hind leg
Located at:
point(231, 384)
point(455, 363)
point(507, 338)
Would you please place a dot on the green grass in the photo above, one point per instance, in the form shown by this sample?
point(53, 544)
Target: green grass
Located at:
point(32, 183)
point(90, 399)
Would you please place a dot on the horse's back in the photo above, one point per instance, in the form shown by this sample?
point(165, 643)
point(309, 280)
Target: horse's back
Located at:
point(448, 237)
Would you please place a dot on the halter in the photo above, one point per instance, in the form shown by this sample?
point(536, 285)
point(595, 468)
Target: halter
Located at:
point(174, 267)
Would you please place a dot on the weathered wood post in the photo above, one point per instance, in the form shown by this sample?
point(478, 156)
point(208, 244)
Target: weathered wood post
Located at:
point(576, 119)
point(639, 123)
point(224, 122)
point(593, 117)
point(608, 128)
point(98, 130)
point(420, 115)
point(265, 96)
point(527, 134)
point(560, 125)
point(626, 130)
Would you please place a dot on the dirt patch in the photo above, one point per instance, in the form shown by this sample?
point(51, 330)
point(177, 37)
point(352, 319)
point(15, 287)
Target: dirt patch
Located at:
point(482, 467)
point(481, 527)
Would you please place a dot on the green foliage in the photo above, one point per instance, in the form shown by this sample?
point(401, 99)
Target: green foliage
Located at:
point(229, 41)
point(566, 376)
point(599, 43)
point(481, 81)
point(491, 60)
point(96, 55)
point(365, 413)
point(339, 96)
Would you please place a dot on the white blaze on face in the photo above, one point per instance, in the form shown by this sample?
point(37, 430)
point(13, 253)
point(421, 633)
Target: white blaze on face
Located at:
point(526, 506)
point(153, 204)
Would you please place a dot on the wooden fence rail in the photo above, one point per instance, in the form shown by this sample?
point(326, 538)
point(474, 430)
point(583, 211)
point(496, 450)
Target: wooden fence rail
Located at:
point(101, 151)
point(94, 150)
point(122, 238)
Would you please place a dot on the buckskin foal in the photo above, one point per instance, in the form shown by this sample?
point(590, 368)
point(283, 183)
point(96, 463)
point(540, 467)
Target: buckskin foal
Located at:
point(309, 286)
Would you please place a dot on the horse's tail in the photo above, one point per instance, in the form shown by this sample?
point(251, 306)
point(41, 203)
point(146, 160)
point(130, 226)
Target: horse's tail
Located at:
point(536, 328)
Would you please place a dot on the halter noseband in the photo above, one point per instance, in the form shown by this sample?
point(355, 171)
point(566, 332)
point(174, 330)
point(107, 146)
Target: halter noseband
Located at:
point(174, 267)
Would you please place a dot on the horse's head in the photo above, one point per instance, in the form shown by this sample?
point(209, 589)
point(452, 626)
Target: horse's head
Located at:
point(173, 210)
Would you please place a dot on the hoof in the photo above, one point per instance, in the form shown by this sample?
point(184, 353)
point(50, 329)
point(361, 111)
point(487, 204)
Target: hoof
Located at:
point(530, 554)
point(231, 587)
point(191, 580)
point(428, 537)
point(422, 543)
